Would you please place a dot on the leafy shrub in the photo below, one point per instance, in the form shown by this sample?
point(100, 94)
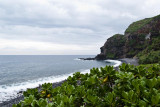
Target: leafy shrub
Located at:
point(149, 58)
point(104, 87)
point(151, 54)
point(141, 37)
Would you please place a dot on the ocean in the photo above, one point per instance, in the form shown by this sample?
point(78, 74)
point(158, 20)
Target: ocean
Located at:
point(19, 72)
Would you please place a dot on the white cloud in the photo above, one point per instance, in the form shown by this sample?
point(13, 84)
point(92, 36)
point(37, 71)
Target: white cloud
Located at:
point(71, 23)
point(44, 47)
point(24, 44)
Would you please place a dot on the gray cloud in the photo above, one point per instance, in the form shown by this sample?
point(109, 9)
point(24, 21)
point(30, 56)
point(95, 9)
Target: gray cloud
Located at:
point(69, 23)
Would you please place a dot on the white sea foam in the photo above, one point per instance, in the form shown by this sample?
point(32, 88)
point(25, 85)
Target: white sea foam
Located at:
point(77, 59)
point(117, 63)
point(8, 92)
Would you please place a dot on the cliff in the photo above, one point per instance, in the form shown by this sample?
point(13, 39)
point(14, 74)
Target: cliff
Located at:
point(140, 38)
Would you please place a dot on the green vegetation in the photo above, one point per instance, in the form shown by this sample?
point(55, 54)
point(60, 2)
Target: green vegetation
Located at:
point(147, 65)
point(132, 42)
point(116, 42)
point(131, 53)
point(110, 55)
point(117, 35)
point(141, 37)
point(149, 58)
point(105, 87)
point(137, 25)
point(119, 40)
point(148, 51)
point(151, 54)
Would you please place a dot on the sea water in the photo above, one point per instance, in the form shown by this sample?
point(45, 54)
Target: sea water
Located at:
point(19, 72)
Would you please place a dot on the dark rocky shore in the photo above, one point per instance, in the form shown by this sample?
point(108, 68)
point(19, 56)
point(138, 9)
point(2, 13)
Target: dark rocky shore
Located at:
point(86, 58)
point(133, 61)
point(20, 97)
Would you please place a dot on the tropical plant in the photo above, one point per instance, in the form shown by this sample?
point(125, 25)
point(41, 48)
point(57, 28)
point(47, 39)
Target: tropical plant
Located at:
point(105, 87)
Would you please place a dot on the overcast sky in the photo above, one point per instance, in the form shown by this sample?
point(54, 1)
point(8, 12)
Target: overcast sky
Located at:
point(66, 27)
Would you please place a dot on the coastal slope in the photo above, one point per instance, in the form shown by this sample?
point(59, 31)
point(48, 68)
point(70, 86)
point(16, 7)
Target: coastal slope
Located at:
point(140, 40)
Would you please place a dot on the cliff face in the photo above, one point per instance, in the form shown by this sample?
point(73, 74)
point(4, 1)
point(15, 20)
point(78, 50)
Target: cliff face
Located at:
point(113, 48)
point(137, 37)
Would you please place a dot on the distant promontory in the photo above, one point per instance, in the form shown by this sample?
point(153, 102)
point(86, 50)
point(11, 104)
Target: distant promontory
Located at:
point(141, 40)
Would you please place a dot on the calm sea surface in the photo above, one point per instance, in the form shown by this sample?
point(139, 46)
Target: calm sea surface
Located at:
point(19, 72)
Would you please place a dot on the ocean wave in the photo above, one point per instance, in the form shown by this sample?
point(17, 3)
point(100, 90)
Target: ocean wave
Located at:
point(8, 92)
point(116, 62)
point(77, 59)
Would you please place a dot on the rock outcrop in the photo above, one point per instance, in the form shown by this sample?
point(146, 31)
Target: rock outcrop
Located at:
point(137, 37)
point(113, 48)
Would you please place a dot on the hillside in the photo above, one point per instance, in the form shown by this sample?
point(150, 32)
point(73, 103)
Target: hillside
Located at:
point(141, 39)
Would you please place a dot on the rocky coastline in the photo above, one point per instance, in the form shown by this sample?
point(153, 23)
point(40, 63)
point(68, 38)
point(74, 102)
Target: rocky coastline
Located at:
point(141, 39)
point(86, 58)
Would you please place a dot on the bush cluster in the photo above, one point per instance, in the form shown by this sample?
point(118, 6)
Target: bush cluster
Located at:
point(151, 57)
point(151, 54)
point(131, 86)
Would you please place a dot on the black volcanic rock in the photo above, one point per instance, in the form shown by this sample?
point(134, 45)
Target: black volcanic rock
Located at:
point(100, 57)
point(87, 58)
point(113, 48)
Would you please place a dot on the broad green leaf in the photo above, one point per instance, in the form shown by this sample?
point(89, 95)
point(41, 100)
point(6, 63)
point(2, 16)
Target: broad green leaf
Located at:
point(125, 94)
point(142, 103)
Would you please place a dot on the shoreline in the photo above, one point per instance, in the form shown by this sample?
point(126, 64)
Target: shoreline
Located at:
point(56, 84)
point(21, 97)
point(132, 61)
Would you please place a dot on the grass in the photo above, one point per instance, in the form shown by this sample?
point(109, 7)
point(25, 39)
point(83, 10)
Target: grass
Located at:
point(135, 26)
